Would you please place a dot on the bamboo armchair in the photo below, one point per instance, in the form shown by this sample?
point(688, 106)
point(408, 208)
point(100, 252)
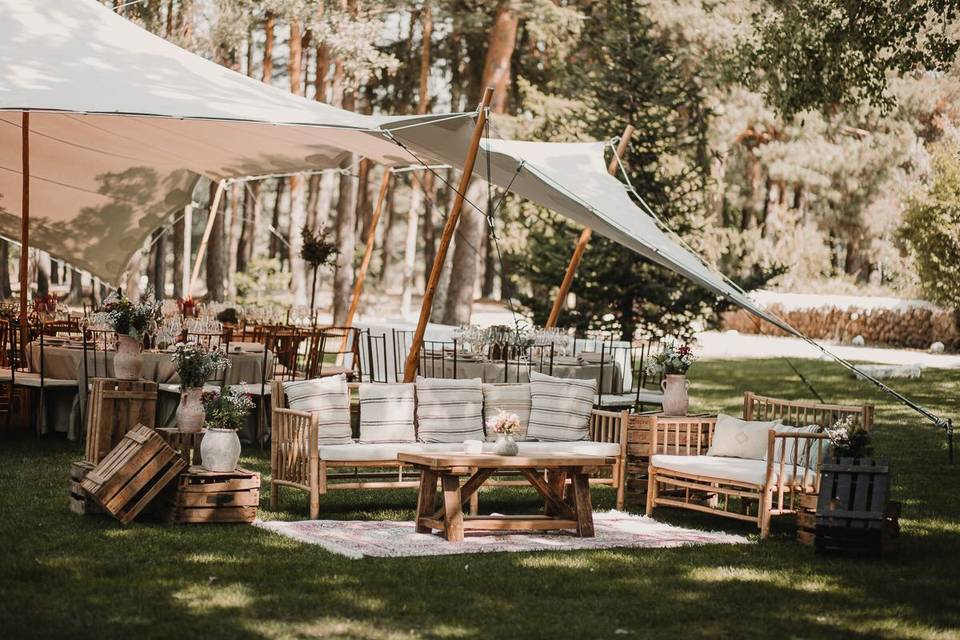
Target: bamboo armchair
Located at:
point(775, 492)
point(295, 458)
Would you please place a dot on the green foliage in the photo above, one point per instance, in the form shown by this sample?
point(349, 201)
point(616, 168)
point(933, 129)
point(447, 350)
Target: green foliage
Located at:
point(318, 249)
point(825, 54)
point(932, 229)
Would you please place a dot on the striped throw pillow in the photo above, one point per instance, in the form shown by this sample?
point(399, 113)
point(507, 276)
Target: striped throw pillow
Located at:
point(329, 398)
point(449, 410)
point(560, 408)
point(509, 398)
point(387, 412)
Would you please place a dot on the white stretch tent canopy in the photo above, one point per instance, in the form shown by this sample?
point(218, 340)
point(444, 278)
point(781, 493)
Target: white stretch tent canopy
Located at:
point(123, 122)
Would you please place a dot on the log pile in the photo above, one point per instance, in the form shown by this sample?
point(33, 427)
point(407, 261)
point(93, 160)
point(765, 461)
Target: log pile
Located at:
point(908, 327)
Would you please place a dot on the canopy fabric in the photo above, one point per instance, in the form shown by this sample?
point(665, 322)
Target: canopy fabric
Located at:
point(123, 123)
point(572, 179)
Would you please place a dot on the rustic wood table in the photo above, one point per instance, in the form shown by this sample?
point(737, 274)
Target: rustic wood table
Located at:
point(562, 512)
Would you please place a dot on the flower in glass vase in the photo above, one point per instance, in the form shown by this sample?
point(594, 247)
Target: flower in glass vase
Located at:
point(505, 425)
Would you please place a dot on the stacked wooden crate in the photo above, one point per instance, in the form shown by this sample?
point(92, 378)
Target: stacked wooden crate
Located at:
point(201, 496)
point(80, 502)
point(116, 406)
point(854, 512)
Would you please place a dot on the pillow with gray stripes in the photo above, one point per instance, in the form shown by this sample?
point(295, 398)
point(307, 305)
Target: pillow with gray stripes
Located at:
point(387, 412)
point(449, 410)
point(329, 398)
point(560, 408)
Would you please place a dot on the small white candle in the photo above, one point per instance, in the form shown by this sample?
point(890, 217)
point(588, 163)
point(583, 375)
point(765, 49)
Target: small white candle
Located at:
point(472, 447)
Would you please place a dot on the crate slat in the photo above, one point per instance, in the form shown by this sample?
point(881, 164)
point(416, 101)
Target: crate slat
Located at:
point(201, 496)
point(854, 514)
point(116, 407)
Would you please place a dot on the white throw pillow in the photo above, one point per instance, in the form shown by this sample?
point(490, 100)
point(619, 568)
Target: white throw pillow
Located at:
point(817, 447)
point(509, 398)
point(387, 412)
point(449, 410)
point(560, 408)
point(736, 438)
point(329, 398)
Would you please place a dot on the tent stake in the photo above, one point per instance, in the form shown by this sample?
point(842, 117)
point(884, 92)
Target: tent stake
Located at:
point(413, 358)
point(25, 227)
point(584, 239)
point(214, 208)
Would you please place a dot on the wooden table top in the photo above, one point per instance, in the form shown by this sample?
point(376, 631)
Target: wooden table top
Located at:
point(442, 460)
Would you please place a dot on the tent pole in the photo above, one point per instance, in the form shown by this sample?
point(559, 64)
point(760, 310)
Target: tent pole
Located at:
point(367, 252)
point(413, 358)
point(584, 238)
point(214, 208)
point(25, 227)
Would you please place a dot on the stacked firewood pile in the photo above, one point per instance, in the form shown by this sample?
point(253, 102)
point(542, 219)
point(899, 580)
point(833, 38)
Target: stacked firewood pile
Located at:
point(911, 327)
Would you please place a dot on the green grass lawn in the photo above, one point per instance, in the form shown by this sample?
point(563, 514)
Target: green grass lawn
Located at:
point(67, 576)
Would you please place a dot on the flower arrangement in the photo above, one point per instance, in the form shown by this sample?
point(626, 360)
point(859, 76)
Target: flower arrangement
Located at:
point(187, 307)
point(129, 318)
point(849, 438)
point(672, 360)
point(227, 410)
point(504, 423)
point(195, 363)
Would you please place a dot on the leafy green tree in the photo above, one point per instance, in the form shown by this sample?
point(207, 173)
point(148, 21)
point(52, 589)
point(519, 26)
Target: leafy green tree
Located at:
point(931, 228)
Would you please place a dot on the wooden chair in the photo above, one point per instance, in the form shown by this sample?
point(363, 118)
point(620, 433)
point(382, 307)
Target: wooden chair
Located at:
point(334, 346)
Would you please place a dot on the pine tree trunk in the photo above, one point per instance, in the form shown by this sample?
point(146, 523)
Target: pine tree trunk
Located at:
point(158, 263)
point(233, 234)
point(275, 245)
point(429, 226)
point(268, 27)
point(364, 202)
point(215, 257)
point(410, 247)
point(346, 243)
point(298, 205)
point(248, 225)
point(387, 253)
point(496, 74)
point(440, 298)
point(178, 235)
point(6, 291)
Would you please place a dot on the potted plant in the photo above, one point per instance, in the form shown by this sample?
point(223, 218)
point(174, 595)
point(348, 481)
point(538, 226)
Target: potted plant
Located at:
point(673, 362)
point(226, 411)
point(505, 425)
point(131, 321)
point(317, 250)
point(195, 364)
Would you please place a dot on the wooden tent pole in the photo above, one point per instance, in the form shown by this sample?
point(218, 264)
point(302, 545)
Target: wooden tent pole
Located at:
point(413, 358)
point(214, 208)
point(25, 227)
point(584, 238)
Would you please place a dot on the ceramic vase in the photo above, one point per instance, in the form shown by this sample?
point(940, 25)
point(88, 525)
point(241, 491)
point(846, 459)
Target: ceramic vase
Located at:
point(128, 363)
point(190, 412)
point(505, 445)
point(220, 449)
point(676, 399)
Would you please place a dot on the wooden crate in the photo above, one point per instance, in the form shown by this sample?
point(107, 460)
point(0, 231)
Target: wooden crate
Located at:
point(185, 443)
point(681, 430)
point(133, 473)
point(806, 518)
point(854, 511)
point(116, 407)
point(80, 502)
point(201, 496)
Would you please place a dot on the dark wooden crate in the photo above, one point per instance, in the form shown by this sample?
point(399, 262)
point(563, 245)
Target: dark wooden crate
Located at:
point(80, 502)
point(117, 406)
point(133, 474)
point(201, 496)
point(806, 518)
point(854, 511)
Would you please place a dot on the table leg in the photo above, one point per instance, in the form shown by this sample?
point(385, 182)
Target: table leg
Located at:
point(426, 498)
point(556, 480)
point(452, 508)
point(583, 506)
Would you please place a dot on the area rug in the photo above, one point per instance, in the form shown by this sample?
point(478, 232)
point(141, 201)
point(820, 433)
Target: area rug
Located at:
point(390, 539)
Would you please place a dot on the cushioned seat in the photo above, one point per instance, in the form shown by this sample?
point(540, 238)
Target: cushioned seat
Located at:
point(368, 452)
point(579, 447)
point(721, 468)
point(387, 451)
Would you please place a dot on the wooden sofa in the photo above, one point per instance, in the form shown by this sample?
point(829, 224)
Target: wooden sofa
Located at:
point(297, 462)
point(682, 475)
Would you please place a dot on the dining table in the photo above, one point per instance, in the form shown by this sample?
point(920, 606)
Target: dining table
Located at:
point(63, 359)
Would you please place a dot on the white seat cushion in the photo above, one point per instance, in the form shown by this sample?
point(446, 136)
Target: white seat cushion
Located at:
point(363, 452)
point(387, 451)
point(449, 411)
point(578, 447)
point(735, 469)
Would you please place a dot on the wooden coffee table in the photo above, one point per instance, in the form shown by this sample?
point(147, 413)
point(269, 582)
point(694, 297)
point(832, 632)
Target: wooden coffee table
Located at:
point(574, 512)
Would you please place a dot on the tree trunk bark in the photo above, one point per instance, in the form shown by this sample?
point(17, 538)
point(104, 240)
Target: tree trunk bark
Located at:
point(268, 27)
point(387, 254)
point(158, 263)
point(215, 257)
point(429, 226)
point(364, 203)
point(496, 74)
point(249, 223)
point(235, 221)
point(275, 244)
point(6, 291)
point(298, 205)
point(410, 246)
point(178, 234)
point(346, 243)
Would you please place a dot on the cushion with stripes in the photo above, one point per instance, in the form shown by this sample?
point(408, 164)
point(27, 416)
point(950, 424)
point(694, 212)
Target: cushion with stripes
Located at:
point(449, 410)
point(387, 412)
point(509, 398)
point(560, 408)
point(329, 398)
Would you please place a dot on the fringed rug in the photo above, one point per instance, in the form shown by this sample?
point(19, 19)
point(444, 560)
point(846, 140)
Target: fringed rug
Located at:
point(391, 539)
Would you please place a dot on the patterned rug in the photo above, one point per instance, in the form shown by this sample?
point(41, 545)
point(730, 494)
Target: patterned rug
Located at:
point(390, 539)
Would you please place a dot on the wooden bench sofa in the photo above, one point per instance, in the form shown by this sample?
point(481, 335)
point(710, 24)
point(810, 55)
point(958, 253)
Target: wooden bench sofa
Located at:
point(682, 475)
point(298, 463)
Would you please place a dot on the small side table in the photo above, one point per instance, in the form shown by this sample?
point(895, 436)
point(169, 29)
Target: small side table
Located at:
point(185, 443)
point(200, 496)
